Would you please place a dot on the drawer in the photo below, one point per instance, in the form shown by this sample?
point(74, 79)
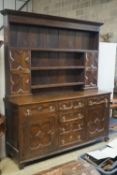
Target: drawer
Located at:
point(43, 108)
point(98, 100)
point(71, 117)
point(71, 138)
point(71, 127)
point(71, 105)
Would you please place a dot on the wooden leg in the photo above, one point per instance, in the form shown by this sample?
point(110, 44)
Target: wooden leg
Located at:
point(106, 139)
point(0, 168)
point(21, 165)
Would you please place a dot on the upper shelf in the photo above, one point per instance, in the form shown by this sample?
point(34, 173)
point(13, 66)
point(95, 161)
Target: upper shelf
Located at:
point(56, 68)
point(62, 50)
point(56, 85)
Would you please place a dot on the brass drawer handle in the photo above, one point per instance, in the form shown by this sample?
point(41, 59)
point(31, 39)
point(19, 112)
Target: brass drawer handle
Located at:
point(52, 108)
point(62, 129)
point(80, 105)
point(39, 108)
point(65, 107)
point(80, 116)
point(28, 112)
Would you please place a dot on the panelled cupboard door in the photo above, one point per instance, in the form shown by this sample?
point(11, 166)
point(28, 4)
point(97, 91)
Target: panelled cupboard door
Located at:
point(38, 130)
point(97, 116)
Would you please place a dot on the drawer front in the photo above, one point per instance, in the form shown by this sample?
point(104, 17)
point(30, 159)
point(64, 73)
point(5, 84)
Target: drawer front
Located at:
point(98, 100)
point(71, 127)
point(71, 117)
point(40, 109)
point(71, 138)
point(71, 105)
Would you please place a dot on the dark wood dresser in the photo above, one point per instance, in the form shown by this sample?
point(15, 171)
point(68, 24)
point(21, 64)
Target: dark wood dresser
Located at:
point(52, 103)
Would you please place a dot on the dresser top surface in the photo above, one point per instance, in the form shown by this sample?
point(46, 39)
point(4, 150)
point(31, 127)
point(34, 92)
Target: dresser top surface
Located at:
point(34, 99)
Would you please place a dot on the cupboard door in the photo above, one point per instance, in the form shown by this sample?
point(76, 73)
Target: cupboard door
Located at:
point(38, 132)
point(97, 116)
point(91, 70)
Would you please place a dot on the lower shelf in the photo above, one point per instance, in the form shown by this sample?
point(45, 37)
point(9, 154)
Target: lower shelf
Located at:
point(56, 85)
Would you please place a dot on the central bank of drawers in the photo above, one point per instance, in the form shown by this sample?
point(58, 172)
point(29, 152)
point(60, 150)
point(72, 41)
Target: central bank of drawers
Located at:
point(71, 122)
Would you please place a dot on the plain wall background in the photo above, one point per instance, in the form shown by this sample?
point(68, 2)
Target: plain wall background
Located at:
point(106, 66)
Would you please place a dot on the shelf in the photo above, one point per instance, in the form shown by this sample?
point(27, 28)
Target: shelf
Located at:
point(56, 85)
point(57, 68)
point(61, 50)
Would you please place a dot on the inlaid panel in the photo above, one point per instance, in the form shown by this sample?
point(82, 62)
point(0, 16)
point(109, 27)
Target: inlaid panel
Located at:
point(19, 59)
point(19, 83)
point(91, 69)
point(19, 71)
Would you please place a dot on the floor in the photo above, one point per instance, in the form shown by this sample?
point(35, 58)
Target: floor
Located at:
point(9, 167)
